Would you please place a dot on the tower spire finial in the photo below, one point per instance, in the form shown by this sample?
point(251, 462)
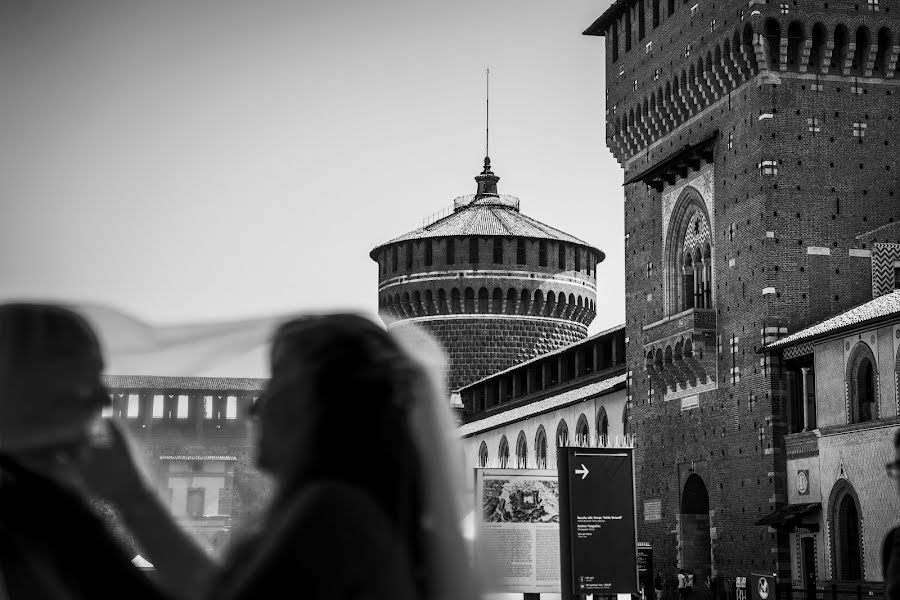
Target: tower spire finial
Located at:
point(487, 112)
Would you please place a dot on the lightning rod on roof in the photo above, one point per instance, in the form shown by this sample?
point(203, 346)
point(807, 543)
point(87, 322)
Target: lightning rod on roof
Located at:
point(487, 112)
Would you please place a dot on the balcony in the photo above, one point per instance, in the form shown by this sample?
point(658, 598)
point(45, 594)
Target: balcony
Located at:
point(691, 320)
point(801, 445)
point(680, 352)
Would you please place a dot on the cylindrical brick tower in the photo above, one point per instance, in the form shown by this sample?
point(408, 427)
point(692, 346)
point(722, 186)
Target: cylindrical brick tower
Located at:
point(494, 286)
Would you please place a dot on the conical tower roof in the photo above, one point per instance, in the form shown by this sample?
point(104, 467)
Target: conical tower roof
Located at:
point(487, 213)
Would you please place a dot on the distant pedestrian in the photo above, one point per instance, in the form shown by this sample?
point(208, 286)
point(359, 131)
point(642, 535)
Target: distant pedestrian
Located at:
point(688, 584)
point(682, 580)
point(658, 586)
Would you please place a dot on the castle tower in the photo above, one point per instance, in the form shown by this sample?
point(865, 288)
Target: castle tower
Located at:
point(756, 142)
point(494, 286)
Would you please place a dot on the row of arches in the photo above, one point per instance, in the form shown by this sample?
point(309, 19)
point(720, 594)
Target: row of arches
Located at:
point(522, 458)
point(864, 52)
point(676, 367)
point(840, 50)
point(466, 301)
point(722, 69)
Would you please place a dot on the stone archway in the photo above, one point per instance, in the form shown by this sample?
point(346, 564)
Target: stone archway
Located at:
point(694, 538)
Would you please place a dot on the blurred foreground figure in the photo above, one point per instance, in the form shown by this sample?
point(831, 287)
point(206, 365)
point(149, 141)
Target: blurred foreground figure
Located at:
point(358, 435)
point(890, 548)
point(52, 545)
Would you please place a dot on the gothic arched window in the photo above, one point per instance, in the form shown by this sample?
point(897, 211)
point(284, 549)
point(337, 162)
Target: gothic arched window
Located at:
point(582, 432)
point(522, 451)
point(861, 384)
point(845, 523)
point(602, 428)
point(503, 453)
point(483, 455)
point(540, 448)
point(562, 434)
point(689, 255)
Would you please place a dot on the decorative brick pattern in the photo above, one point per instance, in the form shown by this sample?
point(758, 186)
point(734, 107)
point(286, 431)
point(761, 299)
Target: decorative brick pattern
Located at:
point(884, 257)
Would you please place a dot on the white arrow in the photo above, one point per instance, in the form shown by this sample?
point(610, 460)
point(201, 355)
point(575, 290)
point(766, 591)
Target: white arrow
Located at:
point(583, 471)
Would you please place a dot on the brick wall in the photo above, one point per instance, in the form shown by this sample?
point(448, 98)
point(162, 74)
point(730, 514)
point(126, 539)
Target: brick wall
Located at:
point(783, 230)
point(477, 347)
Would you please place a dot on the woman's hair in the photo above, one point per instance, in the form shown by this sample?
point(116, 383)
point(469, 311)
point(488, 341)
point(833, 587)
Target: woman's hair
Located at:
point(33, 334)
point(359, 383)
point(381, 406)
point(34, 338)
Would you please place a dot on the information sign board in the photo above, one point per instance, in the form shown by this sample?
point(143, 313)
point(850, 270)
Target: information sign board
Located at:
point(598, 536)
point(518, 529)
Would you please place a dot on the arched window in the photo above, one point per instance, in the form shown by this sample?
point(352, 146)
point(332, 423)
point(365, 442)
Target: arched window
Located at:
point(846, 533)
point(483, 455)
point(602, 428)
point(540, 448)
point(562, 434)
point(522, 451)
point(582, 432)
point(689, 255)
point(861, 384)
point(503, 453)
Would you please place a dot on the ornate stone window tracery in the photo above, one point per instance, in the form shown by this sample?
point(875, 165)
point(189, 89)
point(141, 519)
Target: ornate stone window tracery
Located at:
point(689, 255)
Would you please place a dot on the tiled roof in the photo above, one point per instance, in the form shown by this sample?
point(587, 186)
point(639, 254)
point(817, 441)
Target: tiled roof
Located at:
point(197, 457)
point(879, 308)
point(888, 232)
point(213, 384)
point(487, 216)
point(541, 357)
point(541, 406)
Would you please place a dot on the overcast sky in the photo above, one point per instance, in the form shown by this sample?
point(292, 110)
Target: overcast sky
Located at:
point(200, 160)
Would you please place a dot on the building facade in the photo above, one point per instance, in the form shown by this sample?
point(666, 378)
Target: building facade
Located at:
point(494, 286)
point(193, 434)
point(756, 141)
point(574, 395)
point(844, 406)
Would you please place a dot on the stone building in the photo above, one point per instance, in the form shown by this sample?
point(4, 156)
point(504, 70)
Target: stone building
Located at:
point(844, 409)
point(494, 286)
point(516, 418)
point(193, 433)
point(756, 141)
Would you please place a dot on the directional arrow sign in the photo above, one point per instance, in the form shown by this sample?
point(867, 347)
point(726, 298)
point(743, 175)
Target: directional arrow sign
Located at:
point(598, 548)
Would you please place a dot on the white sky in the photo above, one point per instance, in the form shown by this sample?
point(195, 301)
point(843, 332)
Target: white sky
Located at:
point(207, 160)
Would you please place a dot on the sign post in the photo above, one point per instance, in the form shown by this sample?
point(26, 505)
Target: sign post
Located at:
point(598, 525)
